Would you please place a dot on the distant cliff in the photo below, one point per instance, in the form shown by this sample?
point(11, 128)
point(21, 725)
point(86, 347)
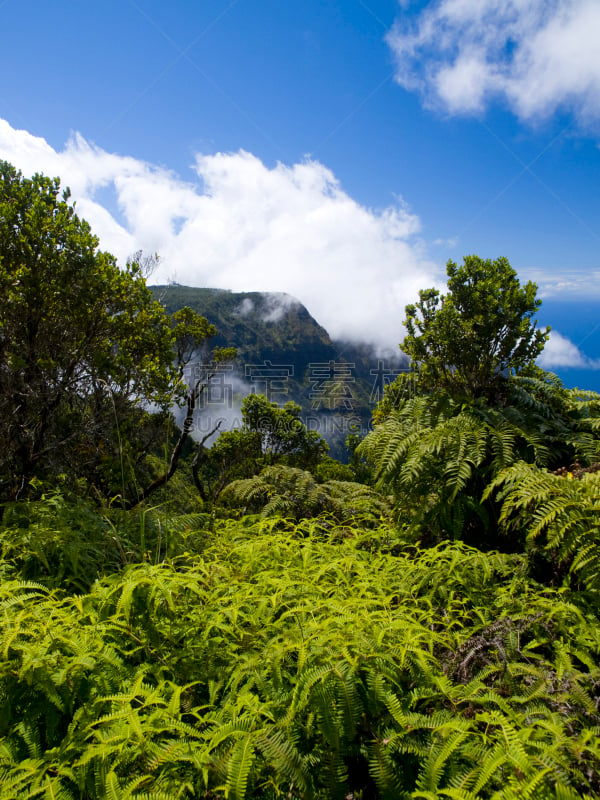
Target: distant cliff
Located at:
point(263, 326)
point(285, 354)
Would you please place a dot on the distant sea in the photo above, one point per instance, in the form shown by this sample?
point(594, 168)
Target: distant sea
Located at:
point(578, 321)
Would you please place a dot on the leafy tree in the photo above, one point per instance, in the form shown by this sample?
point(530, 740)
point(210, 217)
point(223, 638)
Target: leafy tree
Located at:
point(84, 349)
point(283, 434)
point(467, 342)
point(475, 405)
point(270, 434)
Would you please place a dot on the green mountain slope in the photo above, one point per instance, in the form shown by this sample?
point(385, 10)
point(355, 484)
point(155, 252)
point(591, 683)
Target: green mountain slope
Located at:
point(285, 354)
point(273, 326)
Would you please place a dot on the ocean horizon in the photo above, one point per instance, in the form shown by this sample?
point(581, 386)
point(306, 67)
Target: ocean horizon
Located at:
point(578, 321)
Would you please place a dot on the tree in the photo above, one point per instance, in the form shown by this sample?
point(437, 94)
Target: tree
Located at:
point(475, 405)
point(270, 435)
point(85, 352)
point(467, 342)
point(282, 433)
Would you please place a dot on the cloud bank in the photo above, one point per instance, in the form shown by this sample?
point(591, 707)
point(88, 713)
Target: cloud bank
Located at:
point(539, 56)
point(562, 353)
point(569, 284)
point(247, 227)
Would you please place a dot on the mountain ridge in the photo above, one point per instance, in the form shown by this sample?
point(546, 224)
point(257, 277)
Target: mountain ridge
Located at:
point(285, 354)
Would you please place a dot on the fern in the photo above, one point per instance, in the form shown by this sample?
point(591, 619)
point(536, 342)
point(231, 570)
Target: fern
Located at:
point(294, 493)
point(438, 456)
point(281, 662)
point(559, 514)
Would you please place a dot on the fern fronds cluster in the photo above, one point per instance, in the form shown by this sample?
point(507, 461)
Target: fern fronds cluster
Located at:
point(560, 514)
point(278, 665)
point(438, 456)
point(291, 492)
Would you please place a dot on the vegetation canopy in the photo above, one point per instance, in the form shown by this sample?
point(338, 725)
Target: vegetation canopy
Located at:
point(85, 351)
point(468, 341)
point(270, 627)
point(474, 405)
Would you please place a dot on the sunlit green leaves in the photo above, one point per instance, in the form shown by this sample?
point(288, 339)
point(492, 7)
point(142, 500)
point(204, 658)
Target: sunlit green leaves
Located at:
point(82, 345)
point(285, 664)
point(467, 342)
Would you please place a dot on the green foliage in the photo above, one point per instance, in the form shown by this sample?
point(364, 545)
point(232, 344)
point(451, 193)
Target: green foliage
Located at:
point(361, 470)
point(277, 664)
point(329, 469)
point(59, 543)
point(178, 495)
point(270, 435)
point(63, 542)
point(291, 492)
point(437, 460)
point(82, 345)
point(559, 514)
point(84, 351)
point(313, 652)
point(282, 432)
point(475, 405)
point(189, 330)
point(236, 454)
point(438, 455)
point(466, 343)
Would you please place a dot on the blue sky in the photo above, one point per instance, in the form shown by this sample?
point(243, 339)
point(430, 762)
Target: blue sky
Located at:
point(340, 151)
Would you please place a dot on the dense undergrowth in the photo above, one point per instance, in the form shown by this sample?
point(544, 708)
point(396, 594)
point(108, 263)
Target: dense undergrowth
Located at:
point(264, 658)
point(421, 622)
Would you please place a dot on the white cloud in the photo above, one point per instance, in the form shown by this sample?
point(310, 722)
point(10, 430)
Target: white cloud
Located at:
point(538, 55)
point(246, 227)
point(245, 307)
point(277, 305)
point(568, 284)
point(450, 242)
point(561, 353)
